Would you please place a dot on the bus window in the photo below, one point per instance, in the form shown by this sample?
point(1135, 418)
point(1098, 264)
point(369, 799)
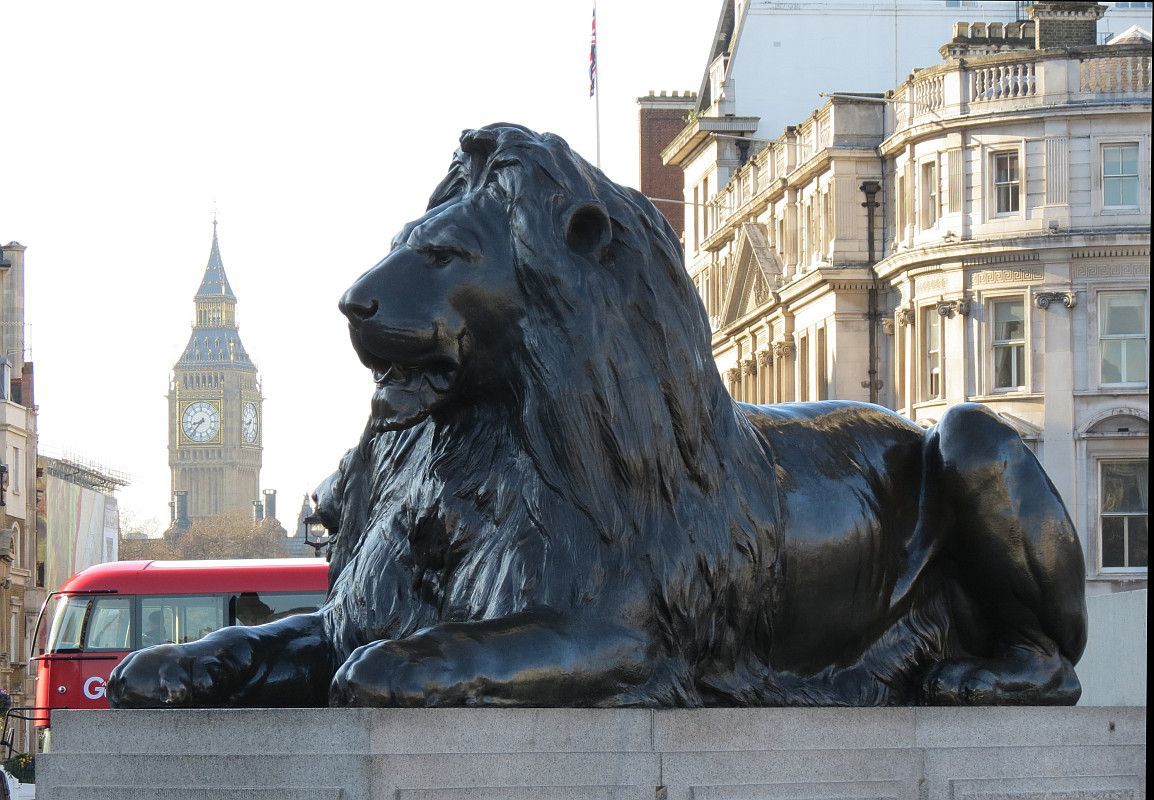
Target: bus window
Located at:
point(109, 624)
point(179, 618)
point(67, 624)
point(257, 608)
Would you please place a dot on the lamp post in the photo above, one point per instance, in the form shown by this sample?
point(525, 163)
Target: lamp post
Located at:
point(317, 536)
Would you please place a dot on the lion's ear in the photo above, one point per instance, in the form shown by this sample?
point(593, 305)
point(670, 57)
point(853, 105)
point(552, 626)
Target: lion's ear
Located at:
point(588, 230)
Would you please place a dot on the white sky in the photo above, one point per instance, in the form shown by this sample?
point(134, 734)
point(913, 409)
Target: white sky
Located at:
point(318, 129)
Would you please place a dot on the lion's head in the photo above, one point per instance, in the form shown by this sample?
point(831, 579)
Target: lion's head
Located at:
point(538, 299)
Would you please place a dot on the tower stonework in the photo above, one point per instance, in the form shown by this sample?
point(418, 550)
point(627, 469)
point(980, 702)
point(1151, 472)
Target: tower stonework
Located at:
point(214, 407)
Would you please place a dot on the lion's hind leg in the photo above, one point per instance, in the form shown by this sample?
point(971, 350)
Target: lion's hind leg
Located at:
point(1019, 676)
point(1018, 561)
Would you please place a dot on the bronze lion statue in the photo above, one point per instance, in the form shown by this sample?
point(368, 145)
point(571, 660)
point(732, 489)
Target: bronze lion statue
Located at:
point(556, 503)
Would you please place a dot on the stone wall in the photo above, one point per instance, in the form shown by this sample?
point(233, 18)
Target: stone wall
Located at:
point(582, 754)
point(1113, 668)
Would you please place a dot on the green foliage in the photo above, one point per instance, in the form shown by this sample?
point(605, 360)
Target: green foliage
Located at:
point(22, 767)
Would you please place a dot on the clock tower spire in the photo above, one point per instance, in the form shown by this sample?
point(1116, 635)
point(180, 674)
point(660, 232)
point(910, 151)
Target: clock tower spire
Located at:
point(215, 405)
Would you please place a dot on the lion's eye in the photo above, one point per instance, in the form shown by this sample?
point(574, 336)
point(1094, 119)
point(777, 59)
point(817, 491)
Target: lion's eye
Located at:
point(442, 258)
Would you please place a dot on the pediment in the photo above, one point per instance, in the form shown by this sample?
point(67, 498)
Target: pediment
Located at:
point(757, 274)
point(1120, 424)
point(1027, 430)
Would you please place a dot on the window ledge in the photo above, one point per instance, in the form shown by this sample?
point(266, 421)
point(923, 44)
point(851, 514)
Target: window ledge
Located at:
point(1119, 211)
point(1141, 574)
point(1114, 390)
point(1006, 395)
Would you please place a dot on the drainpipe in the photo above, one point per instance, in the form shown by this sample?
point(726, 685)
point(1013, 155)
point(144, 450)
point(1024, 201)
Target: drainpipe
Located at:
point(870, 189)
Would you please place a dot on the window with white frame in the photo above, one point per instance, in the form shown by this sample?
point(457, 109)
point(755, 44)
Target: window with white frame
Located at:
point(803, 368)
point(1122, 337)
point(1007, 183)
point(954, 161)
point(1120, 175)
point(14, 649)
point(696, 218)
point(822, 369)
point(705, 226)
point(932, 354)
point(1009, 343)
point(900, 207)
point(1124, 504)
point(929, 194)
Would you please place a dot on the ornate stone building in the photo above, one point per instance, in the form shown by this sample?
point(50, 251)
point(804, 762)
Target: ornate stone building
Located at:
point(21, 584)
point(1007, 261)
point(214, 408)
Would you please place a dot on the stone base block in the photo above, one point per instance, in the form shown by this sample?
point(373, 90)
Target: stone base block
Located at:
point(584, 754)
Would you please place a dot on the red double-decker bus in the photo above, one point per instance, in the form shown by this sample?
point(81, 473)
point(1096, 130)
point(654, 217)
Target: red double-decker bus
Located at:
point(107, 611)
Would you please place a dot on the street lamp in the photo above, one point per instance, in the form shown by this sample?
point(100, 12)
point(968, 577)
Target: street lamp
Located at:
point(319, 534)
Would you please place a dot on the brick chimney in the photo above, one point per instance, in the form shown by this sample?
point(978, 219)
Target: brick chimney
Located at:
point(662, 117)
point(1065, 24)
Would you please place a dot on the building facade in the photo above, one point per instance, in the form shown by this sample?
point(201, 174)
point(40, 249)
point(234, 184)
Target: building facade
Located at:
point(979, 233)
point(21, 585)
point(772, 59)
point(214, 408)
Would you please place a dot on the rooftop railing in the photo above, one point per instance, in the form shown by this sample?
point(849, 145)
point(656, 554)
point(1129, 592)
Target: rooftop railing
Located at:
point(1021, 79)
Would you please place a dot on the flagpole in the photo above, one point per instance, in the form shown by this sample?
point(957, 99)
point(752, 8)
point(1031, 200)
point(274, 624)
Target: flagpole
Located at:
point(596, 79)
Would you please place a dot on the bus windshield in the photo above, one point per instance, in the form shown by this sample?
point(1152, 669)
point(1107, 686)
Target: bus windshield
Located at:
point(67, 624)
point(91, 623)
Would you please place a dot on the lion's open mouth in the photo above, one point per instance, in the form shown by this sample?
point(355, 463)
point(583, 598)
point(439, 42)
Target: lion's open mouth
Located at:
point(407, 393)
point(399, 374)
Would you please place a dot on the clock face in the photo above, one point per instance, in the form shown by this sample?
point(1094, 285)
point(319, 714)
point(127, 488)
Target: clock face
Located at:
point(248, 422)
point(200, 421)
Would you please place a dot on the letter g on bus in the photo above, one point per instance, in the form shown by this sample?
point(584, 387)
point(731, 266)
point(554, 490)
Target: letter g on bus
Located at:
point(94, 688)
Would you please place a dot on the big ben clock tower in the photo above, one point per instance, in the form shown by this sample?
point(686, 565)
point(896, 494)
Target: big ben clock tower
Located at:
point(214, 406)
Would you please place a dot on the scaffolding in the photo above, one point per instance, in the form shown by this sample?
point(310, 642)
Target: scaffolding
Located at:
point(83, 472)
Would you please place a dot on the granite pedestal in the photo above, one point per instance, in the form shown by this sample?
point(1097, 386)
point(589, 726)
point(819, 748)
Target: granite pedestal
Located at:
point(522, 754)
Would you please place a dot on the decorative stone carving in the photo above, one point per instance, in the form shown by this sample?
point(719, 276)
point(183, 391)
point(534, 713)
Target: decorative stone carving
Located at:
point(888, 326)
point(1044, 299)
point(734, 375)
point(947, 308)
point(904, 316)
point(765, 358)
point(749, 366)
point(783, 348)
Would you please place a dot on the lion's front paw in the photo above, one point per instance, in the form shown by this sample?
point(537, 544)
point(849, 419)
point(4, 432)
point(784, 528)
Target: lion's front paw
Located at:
point(158, 677)
point(383, 674)
point(179, 676)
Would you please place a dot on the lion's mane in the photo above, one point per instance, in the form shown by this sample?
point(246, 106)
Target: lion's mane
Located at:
point(613, 452)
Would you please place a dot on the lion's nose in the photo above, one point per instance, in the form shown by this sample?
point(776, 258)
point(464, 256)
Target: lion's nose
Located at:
point(357, 309)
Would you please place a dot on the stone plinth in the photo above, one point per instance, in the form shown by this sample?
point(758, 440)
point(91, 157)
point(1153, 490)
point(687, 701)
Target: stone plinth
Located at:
point(554, 754)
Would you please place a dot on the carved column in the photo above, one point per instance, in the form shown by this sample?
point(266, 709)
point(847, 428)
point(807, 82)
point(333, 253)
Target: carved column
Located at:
point(1043, 299)
point(783, 351)
point(734, 376)
point(765, 371)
